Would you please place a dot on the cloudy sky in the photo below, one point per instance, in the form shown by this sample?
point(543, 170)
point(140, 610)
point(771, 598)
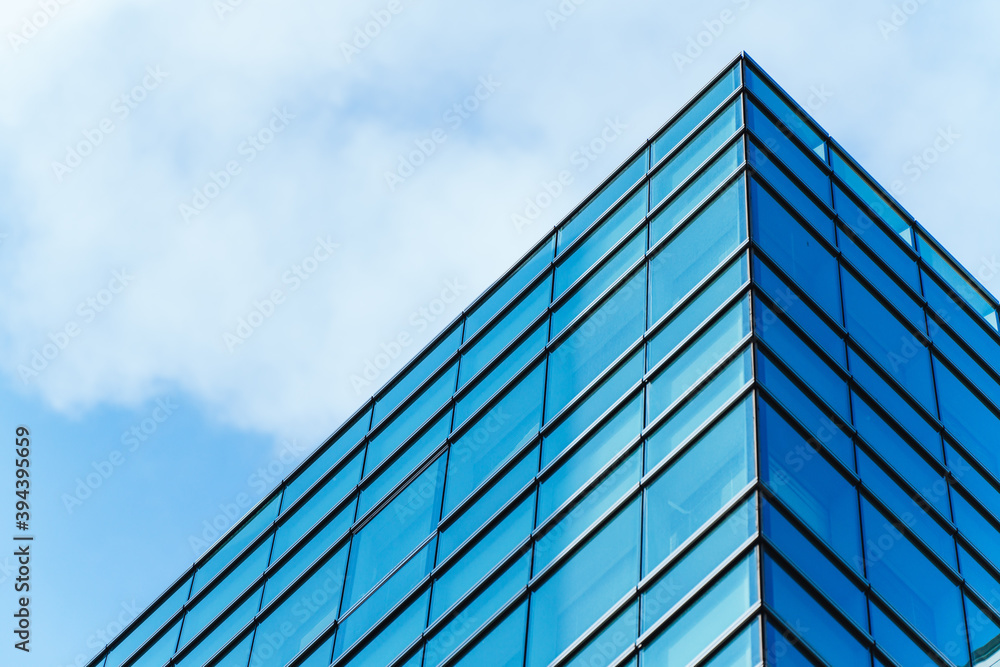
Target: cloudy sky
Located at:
point(211, 222)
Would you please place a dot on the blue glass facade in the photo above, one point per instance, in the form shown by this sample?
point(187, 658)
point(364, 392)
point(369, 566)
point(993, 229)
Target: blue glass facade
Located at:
point(737, 409)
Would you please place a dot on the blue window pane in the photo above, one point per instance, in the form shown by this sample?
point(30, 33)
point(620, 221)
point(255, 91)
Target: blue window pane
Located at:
point(690, 570)
point(588, 410)
point(307, 554)
point(699, 483)
point(319, 657)
point(475, 515)
point(787, 300)
point(332, 452)
point(495, 436)
point(211, 643)
point(696, 411)
point(599, 281)
point(802, 359)
point(389, 400)
point(488, 384)
point(782, 649)
point(869, 195)
point(305, 515)
point(984, 635)
point(883, 243)
point(482, 312)
point(800, 610)
point(682, 126)
point(791, 119)
point(973, 330)
point(236, 542)
point(743, 650)
point(811, 561)
point(704, 621)
point(595, 342)
point(968, 418)
point(710, 298)
point(144, 630)
point(979, 578)
point(892, 402)
point(587, 510)
point(405, 422)
point(589, 457)
point(532, 304)
point(799, 254)
point(979, 488)
point(303, 616)
point(610, 642)
point(956, 280)
point(684, 162)
point(394, 532)
point(685, 369)
point(897, 643)
point(825, 431)
point(887, 441)
point(972, 368)
point(156, 653)
point(237, 655)
point(694, 192)
point(983, 534)
point(600, 202)
point(502, 646)
point(810, 486)
point(934, 606)
point(791, 191)
point(490, 549)
point(388, 643)
point(797, 160)
point(699, 247)
point(584, 587)
point(463, 623)
point(584, 255)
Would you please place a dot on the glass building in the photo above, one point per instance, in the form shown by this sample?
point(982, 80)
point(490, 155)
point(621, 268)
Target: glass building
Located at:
point(738, 408)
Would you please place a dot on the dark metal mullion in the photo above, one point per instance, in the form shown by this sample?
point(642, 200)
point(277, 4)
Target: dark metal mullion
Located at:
point(760, 145)
point(796, 108)
point(742, 624)
point(690, 137)
point(365, 639)
point(787, 132)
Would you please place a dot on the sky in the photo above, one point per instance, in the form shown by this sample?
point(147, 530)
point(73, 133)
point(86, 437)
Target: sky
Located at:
point(216, 214)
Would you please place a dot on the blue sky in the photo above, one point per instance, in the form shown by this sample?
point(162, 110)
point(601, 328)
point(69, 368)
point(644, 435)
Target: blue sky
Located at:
point(215, 214)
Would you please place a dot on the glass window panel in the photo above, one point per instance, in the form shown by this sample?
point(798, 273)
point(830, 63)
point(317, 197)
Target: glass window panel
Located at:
point(602, 200)
point(595, 342)
point(892, 402)
point(685, 369)
point(791, 304)
point(584, 587)
point(971, 367)
point(800, 610)
point(958, 282)
point(972, 330)
point(968, 418)
point(695, 192)
point(870, 196)
point(491, 548)
point(782, 649)
point(532, 304)
point(599, 281)
point(699, 247)
point(394, 532)
point(584, 255)
point(786, 113)
point(884, 439)
point(978, 578)
point(799, 254)
point(495, 436)
point(483, 311)
point(487, 385)
point(981, 533)
point(389, 642)
point(464, 623)
point(984, 636)
point(390, 399)
point(816, 216)
point(589, 457)
point(332, 453)
point(690, 570)
point(319, 657)
point(303, 616)
point(213, 641)
point(798, 161)
point(934, 606)
point(698, 408)
point(588, 509)
point(699, 483)
point(502, 646)
point(144, 630)
point(590, 408)
point(283, 575)
point(306, 514)
point(809, 485)
point(743, 650)
point(970, 478)
point(237, 540)
point(610, 642)
point(682, 126)
point(704, 621)
point(205, 610)
point(897, 643)
point(825, 431)
point(911, 309)
point(684, 162)
point(405, 422)
point(156, 653)
point(814, 565)
point(476, 515)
